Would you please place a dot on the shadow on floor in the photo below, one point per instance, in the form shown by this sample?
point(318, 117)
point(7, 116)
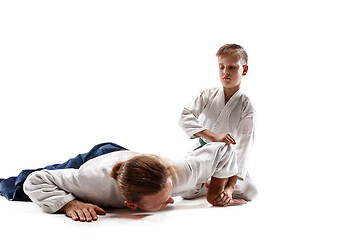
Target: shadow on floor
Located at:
point(180, 204)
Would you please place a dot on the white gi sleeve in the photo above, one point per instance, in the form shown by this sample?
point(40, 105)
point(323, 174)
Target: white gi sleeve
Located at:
point(47, 188)
point(189, 117)
point(244, 143)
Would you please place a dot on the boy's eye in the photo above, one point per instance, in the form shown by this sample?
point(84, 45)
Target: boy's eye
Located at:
point(222, 67)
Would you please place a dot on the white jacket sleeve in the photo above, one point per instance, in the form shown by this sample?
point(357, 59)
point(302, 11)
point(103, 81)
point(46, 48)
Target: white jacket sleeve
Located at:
point(189, 116)
point(49, 188)
point(244, 143)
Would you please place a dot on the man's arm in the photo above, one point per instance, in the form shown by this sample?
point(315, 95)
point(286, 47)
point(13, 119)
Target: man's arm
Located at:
point(49, 188)
point(214, 160)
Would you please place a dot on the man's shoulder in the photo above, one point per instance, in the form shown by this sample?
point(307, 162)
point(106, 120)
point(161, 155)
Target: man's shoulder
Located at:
point(104, 163)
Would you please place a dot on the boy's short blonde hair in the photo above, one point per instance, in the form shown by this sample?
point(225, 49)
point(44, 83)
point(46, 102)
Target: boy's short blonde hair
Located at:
point(228, 49)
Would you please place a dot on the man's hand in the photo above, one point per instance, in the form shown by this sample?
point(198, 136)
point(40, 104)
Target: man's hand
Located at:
point(82, 211)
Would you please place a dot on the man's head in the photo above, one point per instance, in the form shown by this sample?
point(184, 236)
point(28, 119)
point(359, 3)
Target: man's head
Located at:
point(232, 60)
point(145, 182)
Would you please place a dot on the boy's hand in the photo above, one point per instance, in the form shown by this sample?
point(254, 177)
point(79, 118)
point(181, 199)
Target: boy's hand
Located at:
point(225, 137)
point(82, 211)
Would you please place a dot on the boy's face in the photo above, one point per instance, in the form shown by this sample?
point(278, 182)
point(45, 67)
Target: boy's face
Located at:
point(231, 71)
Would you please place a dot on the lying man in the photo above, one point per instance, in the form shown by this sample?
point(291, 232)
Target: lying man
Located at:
point(112, 176)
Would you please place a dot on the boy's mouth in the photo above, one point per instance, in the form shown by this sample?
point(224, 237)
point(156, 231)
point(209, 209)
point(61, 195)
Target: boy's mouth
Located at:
point(226, 78)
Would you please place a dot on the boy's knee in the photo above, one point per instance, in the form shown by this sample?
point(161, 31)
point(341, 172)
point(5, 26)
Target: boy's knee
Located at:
point(249, 193)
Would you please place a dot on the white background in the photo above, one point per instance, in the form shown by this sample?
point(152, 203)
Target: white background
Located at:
point(77, 73)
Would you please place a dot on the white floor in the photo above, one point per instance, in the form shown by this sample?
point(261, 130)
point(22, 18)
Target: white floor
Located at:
point(187, 219)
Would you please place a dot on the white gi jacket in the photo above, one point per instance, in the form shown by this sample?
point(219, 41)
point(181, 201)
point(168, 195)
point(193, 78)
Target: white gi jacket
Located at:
point(237, 116)
point(53, 189)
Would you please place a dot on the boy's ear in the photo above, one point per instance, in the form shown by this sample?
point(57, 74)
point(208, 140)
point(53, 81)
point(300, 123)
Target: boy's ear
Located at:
point(130, 205)
point(245, 69)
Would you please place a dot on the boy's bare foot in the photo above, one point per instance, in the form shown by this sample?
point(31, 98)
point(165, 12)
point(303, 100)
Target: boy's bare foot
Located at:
point(216, 187)
point(207, 184)
point(237, 202)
